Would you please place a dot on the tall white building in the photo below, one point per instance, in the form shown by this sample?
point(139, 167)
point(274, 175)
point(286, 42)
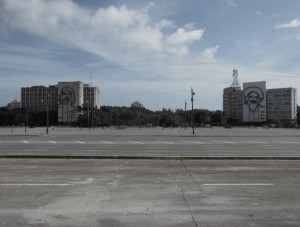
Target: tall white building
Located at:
point(70, 96)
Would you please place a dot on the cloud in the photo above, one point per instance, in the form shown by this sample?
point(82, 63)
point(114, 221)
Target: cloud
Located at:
point(231, 3)
point(110, 32)
point(293, 24)
point(210, 53)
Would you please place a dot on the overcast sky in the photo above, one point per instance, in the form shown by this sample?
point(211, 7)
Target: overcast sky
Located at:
point(149, 51)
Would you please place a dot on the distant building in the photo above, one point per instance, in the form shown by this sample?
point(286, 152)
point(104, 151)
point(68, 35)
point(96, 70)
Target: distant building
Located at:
point(13, 105)
point(64, 98)
point(255, 104)
point(34, 98)
point(70, 96)
point(282, 104)
point(91, 96)
point(137, 104)
point(232, 103)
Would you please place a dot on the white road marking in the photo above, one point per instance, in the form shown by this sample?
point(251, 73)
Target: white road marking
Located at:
point(50, 141)
point(254, 141)
point(136, 142)
point(224, 141)
point(24, 141)
point(239, 184)
point(35, 184)
point(45, 147)
point(196, 142)
point(221, 154)
point(108, 142)
point(81, 142)
point(286, 142)
point(164, 142)
point(92, 150)
point(20, 153)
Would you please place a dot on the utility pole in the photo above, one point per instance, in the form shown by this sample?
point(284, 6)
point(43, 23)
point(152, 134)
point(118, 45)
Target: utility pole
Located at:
point(192, 100)
point(185, 115)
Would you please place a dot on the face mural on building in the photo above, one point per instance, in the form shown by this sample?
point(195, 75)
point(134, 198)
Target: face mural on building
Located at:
point(67, 96)
point(253, 96)
point(67, 99)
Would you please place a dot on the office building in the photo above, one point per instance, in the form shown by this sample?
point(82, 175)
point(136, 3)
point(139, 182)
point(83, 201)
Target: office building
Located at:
point(34, 98)
point(232, 102)
point(64, 98)
point(282, 104)
point(256, 104)
point(91, 96)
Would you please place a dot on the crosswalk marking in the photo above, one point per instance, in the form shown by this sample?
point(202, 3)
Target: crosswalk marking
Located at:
point(24, 141)
point(50, 141)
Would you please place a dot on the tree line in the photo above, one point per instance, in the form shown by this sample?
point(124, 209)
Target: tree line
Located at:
point(107, 116)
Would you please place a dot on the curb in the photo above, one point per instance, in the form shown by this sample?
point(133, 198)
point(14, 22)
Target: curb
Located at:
point(145, 157)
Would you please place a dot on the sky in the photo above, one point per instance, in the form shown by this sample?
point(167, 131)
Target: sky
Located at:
point(153, 52)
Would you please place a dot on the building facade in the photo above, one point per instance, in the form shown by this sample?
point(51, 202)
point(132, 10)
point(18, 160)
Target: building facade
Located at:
point(70, 96)
point(282, 104)
point(34, 98)
point(64, 98)
point(13, 105)
point(91, 96)
point(232, 102)
point(256, 104)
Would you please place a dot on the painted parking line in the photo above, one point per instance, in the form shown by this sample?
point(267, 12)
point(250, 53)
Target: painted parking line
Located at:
point(278, 141)
point(50, 141)
point(135, 142)
point(107, 142)
point(81, 142)
point(164, 142)
point(240, 184)
point(194, 142)
point(221, 154)
point(24, 141)
point(248, 141)
point(217, 141)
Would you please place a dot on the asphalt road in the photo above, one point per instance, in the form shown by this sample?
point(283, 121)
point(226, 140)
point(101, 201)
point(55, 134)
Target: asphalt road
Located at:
point(155, 192)
point(113, 193)
point(209, 143)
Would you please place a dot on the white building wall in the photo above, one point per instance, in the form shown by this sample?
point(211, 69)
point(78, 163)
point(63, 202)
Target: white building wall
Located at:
point(70, 96)
point(254, 105)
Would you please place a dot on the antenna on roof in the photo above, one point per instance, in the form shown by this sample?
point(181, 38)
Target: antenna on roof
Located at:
point(90, 79)
point(235, 81)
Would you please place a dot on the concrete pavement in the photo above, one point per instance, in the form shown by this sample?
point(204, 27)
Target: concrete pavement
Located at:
point(117, 193)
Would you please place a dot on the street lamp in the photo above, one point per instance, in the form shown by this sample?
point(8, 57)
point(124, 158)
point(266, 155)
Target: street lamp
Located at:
point(47, 113)
point(192, 100)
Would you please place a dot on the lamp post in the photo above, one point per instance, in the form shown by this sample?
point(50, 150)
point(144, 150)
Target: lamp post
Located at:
point(192, 100)
point(185, 115)
point(47, 114)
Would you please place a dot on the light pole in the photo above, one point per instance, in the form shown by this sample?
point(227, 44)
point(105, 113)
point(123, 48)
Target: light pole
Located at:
point(47, 114)
point(88, 106)
point(192, 100)
point(185, 115)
